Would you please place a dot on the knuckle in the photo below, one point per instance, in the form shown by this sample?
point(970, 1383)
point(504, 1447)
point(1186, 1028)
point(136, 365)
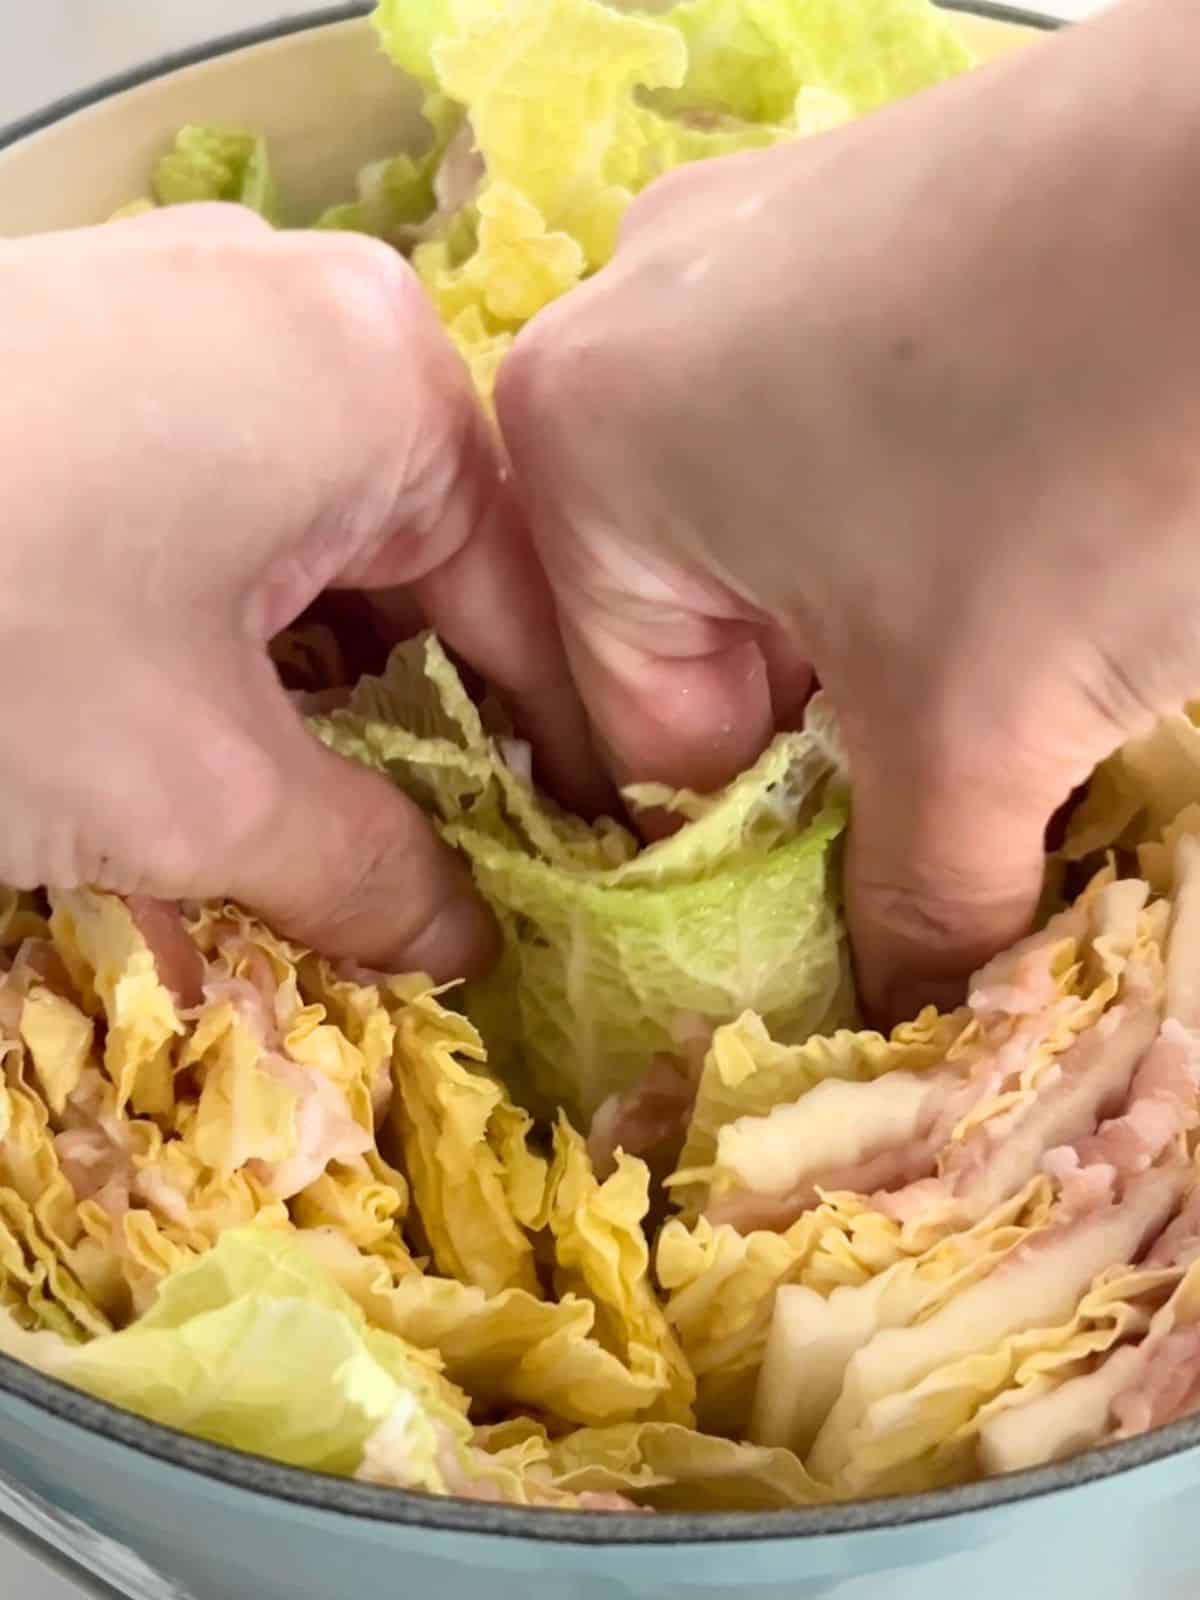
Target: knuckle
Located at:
point(393, 395)
point(935, 925)
point(561, 372)
point(368, 293)
point(656, 203)
point(384, 854)
point(101, 852)
point(62, 832)
point(42, 854)
point(1117, 699)
point(919, 914)
point(390, 348)
point(377, 866)
point(526, 382)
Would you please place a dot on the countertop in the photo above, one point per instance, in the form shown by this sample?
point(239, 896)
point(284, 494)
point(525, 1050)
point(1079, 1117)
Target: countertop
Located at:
point(51, 49)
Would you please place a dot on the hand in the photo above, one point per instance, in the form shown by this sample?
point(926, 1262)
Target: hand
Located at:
point(202, 425)
point(915, 405)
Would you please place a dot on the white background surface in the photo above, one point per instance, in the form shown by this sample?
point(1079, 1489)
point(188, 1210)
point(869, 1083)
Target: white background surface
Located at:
point(49, 48)
point(20, 1576)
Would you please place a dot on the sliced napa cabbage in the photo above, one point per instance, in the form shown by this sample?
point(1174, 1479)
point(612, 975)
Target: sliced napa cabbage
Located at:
point(747, 1074)
point(601, 1254)
point(559, 112)
point(208, 162)
point(1119, 1392)
point(673, 1468)
point(404, 197)
point(608, 950)
point(576, 106)
point(752, 59)
point(518, 265)
point(720, 1285)
point(1140, 790)
point(719, 1289)
point(444, 1116)
point(115, 972)
point(254, 1347)
point(930, 1436)
point(881, 1420)
point(951, 1116)
point(506, 1350)
point(814, 1336)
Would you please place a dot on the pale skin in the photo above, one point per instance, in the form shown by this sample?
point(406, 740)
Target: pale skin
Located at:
point(938, 447)
point(204, 424)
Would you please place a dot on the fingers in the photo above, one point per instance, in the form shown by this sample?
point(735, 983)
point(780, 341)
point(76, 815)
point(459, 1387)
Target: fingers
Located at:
point(491, 603)
point(253, 808)
point(448, 531)
point(689, 721)
point(663, 652)
point(202, 780)
point(488, 599)
point(945, 867)
point(789, 672)
point(214, 788)
point(346, 864)
point(406, 461)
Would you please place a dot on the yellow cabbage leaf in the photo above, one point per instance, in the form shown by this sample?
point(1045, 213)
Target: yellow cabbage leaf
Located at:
point(601, 1254)
point(672, 1468)
point(114, 970)
point(442, 1117)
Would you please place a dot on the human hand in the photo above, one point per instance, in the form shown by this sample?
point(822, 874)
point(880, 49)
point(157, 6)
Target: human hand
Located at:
point(914, 405)
point(203, 424)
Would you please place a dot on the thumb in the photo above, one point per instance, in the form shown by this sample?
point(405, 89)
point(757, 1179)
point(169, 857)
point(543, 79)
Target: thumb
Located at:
point(684, 720)
point(334, 857)
point(945, 865)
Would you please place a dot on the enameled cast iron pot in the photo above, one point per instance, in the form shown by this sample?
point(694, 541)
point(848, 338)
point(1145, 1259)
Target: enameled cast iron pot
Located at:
point(214, 1525)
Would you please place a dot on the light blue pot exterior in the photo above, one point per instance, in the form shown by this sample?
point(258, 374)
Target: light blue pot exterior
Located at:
point(213, 1526)
point(1133, 1534)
